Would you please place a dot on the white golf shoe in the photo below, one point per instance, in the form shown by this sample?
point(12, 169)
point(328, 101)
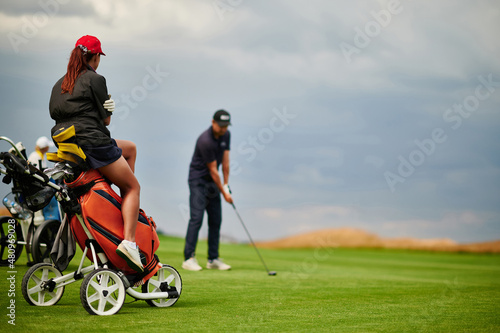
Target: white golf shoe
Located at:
point(218, 264)
point(191, 265)
point(130, 255)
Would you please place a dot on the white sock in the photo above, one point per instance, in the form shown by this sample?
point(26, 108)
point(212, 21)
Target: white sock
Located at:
point(131, 244)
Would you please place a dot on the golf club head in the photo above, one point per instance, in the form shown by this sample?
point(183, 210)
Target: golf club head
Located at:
point(272, 273)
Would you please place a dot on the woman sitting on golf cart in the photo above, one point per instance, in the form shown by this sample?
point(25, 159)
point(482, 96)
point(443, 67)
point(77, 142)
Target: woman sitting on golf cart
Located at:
point(80, 99)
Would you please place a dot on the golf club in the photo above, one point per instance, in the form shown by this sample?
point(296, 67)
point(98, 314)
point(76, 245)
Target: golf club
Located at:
point(271, 273)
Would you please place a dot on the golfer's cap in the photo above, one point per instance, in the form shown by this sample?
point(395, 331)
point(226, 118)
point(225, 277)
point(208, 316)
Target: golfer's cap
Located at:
point(89, 44)
point(222, 117)
point(44, 142)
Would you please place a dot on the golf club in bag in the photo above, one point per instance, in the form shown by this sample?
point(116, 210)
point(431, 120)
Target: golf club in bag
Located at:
point(271, 273)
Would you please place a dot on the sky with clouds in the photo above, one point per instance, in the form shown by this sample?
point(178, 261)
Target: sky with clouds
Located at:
point(378, 115)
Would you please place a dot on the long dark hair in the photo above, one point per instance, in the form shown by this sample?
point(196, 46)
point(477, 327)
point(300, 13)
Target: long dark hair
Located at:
point(77, 65)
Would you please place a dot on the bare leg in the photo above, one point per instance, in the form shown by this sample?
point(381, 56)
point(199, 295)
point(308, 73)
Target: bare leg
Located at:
point(120, 174)
point(129, 152)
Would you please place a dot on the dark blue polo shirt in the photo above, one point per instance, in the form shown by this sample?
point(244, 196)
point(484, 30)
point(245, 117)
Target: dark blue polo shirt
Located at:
point(207, 149)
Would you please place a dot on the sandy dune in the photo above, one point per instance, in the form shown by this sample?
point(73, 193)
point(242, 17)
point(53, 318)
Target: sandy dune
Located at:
point(3, 211)
point(355, 238)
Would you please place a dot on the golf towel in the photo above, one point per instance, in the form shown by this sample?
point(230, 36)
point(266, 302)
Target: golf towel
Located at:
point(64, 246)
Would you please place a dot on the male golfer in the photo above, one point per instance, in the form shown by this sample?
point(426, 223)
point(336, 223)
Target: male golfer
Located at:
point(205, 187)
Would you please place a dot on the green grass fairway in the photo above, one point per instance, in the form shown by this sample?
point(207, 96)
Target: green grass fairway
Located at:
point(321, 290)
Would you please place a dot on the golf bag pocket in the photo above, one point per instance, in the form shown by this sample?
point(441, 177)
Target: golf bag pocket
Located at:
point(102, 216)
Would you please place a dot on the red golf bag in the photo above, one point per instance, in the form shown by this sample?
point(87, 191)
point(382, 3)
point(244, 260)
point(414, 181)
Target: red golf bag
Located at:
point(101, 213)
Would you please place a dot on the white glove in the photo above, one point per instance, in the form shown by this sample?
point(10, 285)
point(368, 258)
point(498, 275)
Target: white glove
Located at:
point(226, 189)
point(109, 105)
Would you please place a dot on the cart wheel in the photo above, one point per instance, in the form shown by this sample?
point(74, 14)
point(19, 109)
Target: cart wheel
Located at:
point(38, 286)
point(10, 237)
point(167, 279)
point(44, 239)
point(102, 292)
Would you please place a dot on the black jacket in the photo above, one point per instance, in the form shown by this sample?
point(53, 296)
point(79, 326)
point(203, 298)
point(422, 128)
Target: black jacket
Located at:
point(83, 108)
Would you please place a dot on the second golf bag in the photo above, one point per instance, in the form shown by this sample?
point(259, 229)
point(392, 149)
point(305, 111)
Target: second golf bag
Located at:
point(101, 212)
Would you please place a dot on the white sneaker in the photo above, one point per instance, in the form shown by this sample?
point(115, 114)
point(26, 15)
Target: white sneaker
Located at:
point(191, 265)
point(131, 256)
point(218, 264)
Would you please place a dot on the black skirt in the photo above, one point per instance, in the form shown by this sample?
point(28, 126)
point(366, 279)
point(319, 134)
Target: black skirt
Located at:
point(100, 156)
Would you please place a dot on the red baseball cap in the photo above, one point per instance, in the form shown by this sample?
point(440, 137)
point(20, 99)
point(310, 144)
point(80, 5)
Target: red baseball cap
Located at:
point(91, 43)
